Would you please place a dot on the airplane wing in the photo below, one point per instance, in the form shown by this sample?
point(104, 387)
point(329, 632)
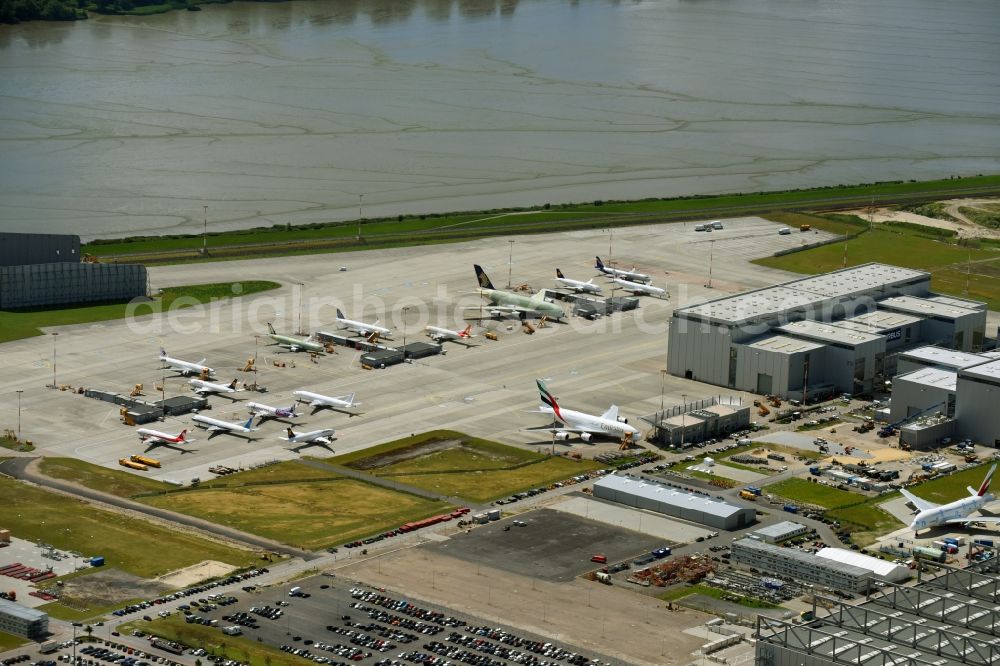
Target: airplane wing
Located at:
point(611, 414)
point(214, 430)
point(326, 441)
point(555, 427)
point(974, 519)
point(921, 504)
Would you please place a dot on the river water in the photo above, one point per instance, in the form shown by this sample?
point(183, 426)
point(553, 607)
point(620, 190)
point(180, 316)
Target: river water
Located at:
point(302, 111)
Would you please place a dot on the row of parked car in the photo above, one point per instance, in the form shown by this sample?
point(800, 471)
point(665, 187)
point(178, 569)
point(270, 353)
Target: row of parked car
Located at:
point(406, 608)
point(191, 591)
point(356, 630)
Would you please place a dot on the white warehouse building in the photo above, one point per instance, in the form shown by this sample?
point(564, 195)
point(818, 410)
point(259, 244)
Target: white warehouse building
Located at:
point(671, 501)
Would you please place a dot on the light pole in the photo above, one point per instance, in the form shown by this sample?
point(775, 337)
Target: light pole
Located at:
point(683, 413)
point(299, 294)
point(54, 337)
point(510, 263)
point(19, 392)
point(204, 234)
point(405, 308)
point(361, 203)
point(711, 256)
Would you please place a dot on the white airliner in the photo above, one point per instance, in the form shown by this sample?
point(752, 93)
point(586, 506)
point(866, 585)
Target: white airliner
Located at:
point(569, 422)
point(154, 437)
point(360, 327)
point(616, 272)
point(216, 427)
point(201, 387)
point(324, 436)
point(185, 367)
point(930, 514)
point(438, 334)
point(639, 288)
point(318, 401)
point(576, 285)
point(269, 412)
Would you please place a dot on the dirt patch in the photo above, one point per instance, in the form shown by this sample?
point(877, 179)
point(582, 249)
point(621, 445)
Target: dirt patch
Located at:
point(962, 225)
point(610, 620)
point(409, 453)
point(196, 573)
point(106, 588)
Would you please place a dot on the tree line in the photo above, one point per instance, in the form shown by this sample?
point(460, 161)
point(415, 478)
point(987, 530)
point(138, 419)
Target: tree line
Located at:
point(16, 11)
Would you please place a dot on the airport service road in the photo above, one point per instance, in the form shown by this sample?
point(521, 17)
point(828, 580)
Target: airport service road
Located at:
point(485, 390)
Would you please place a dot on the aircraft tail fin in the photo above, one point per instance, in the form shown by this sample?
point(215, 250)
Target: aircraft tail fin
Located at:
point(232, 384)
point(202, 361)
point(163, 352)
point(183, 436)
point(559, 274)
point(548, 399)
point(270, 329)
point(349, 399)
point(249, 424)
point(611, 414)
point(466, 332)
point(985, 487)
point(340, 314)
point(291, 433)
point(599, 265)
point(540, 296)
point(482, 278)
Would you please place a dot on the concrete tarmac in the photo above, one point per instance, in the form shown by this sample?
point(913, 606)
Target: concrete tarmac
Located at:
point(486, 390)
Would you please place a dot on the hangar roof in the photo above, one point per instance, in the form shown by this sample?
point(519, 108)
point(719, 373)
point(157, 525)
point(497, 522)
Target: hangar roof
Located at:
point(989, 370)
point(926, 307)
point(939, 377)
point(799, 294)
point(946, 358)
point(828, 332)
point(669, 495)
point(17, 610)
point(881, 568)
point(785, 344)
point(882, 320)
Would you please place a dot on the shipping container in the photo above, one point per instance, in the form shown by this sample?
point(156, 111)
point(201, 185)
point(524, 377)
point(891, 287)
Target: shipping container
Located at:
point(97, 561)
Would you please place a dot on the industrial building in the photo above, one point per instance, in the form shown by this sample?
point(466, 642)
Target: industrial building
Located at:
point(880, 569)
point(691, 423)
point(948, 620)
point(800, 565)
point(38, 270)
point(779, 532)
point(22, 621)
point(813, 337)
point(671, 501)
point(947, 393)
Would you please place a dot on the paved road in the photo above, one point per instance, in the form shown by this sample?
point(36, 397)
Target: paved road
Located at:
point(27, 469)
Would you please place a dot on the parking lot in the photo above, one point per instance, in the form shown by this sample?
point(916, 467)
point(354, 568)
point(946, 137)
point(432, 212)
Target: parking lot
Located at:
point(333, 621)
point(551, 545)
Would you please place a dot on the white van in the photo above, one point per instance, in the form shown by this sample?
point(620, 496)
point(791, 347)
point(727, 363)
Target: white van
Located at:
point(717, 224)
point(784, 231)
point(699, 227)
point(232, 631)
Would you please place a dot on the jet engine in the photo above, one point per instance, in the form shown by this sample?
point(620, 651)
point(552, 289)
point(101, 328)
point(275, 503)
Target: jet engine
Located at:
point(562, 436)
point(586, 436)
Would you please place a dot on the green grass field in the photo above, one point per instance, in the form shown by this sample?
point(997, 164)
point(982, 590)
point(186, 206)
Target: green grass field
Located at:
point(865, 521)
point(800, 490)
point(112, 481)
point(130, 544)
point(15, 325)
point(63, 612)
point(952, 487)
point(10, 641)
point(456, 465)
point(237, 648)
point(14, 445)
point(410, 230)
point(904, 245)
point(679, 593)
point(284, 472)
point(305, 514)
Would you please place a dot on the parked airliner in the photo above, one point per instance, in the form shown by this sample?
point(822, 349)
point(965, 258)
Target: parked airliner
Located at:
point(959, 512)
point(568, 422)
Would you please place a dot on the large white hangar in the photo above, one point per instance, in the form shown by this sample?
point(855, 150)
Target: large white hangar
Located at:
point(670, 501)
point(838, 332)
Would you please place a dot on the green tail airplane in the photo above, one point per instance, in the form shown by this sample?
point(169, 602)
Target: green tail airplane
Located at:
point(295, 344)
point(507, 303)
